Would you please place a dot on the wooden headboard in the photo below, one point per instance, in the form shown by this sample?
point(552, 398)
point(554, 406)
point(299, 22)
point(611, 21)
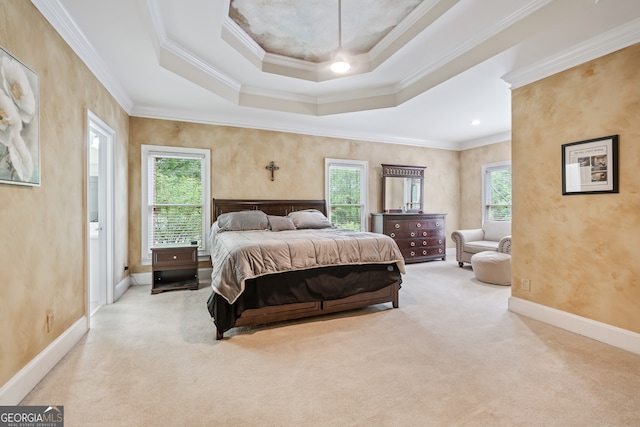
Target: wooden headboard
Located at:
point(270, 207)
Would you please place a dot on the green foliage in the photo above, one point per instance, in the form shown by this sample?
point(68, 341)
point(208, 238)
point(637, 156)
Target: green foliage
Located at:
point(178, 201)
point(344, 197)
point(500, 203)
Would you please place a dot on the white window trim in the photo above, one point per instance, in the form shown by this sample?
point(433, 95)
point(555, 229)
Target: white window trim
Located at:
point(364, 189)
point(206, 218)
point(486, 167)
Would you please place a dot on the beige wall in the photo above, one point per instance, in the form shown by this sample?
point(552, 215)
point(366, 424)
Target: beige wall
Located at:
point(239, 157)
point(43, 246)
point(580, 251)
point(471, 162)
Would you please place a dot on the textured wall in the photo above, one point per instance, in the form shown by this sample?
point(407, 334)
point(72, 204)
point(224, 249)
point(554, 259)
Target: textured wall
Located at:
point(44, 237)
point(239, 157)
point(471, 162)
point(580, 251)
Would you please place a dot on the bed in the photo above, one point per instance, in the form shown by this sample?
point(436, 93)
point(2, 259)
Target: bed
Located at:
point(295, 265)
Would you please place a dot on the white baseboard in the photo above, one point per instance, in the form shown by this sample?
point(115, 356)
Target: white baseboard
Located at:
point(121, 288)
point(593, 329)
point(28, 377)
point(145, 278)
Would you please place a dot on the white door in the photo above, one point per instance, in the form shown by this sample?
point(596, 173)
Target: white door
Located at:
point(100, 203)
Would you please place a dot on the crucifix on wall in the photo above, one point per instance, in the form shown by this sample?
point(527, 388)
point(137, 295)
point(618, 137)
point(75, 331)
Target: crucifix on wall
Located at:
point(272, 167)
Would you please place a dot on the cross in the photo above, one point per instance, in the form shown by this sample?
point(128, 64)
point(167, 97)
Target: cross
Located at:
point(272, 167)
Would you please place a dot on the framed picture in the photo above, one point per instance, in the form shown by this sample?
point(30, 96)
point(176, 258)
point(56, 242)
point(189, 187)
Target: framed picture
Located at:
point(590, 167)
point(19, 123)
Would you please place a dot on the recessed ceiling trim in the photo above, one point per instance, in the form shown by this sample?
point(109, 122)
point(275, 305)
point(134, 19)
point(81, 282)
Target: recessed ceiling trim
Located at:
point(61, 21)
point(179, 60)
point(510, 30)
point(417, 21)
point(285, 96)
point(239, 40)
point(285, 126)
point(608, 42)
point(481, 38)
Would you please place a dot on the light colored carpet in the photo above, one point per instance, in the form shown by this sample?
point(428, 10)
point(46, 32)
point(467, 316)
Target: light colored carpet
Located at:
point(451, 355)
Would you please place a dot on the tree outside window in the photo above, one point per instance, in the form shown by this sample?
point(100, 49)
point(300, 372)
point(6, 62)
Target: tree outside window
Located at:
point(497, 192)
point(175, 198)
point(346, 193)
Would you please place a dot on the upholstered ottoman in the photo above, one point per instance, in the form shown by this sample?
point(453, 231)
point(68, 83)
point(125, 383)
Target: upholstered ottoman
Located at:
point(492, 267)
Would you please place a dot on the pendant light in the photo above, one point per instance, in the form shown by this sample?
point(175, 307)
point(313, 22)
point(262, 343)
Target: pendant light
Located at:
point(339, 59)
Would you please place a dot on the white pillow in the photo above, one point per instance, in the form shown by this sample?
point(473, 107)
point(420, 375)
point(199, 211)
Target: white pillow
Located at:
point(496, 230)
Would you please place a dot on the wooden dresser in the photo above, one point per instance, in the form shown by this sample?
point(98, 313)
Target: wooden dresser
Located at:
point(420, 236)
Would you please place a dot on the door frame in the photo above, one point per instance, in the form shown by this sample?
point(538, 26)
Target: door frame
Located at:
point(107, 137)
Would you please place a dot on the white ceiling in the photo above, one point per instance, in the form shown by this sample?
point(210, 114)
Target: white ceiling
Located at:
point(447, 63)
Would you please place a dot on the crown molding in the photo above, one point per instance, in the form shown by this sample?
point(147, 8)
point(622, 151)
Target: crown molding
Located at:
point(487, 140)
point(418, 20)
point(55, 13)
point(287, 126)
point(477, 41)
point(603, 44)
point(427, 12)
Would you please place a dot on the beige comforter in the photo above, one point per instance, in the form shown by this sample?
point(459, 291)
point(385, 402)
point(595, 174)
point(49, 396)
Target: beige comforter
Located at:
point(240, 255)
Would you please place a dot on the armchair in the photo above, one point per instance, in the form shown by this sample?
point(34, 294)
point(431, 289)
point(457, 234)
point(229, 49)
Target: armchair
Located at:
point(493, 236)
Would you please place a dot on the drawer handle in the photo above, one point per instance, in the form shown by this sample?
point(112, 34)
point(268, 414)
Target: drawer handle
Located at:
point(397, 225)
point(439, 250)
point(413, 234)
point(393, 234)
point(418, 225)
point(424, 234)
point(175, 257)
point(424, 252)
point(440, 241)
point(424, 243)
point(413, 243)
point(413, 253)
point(437, 224)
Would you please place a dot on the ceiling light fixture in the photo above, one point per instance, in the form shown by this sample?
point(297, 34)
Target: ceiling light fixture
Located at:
point(475, 122)
point(339, 59)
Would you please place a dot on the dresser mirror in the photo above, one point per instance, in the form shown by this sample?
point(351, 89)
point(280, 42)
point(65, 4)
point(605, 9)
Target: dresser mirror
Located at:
point(402, 188)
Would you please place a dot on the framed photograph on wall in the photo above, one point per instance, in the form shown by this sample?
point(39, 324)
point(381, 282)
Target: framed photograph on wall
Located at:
point(591, 166)
point(19, 123)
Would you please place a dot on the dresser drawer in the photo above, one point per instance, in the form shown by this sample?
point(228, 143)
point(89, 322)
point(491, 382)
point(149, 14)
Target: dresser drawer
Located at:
point(419, 243)
point(420, 237)
point(395, 225)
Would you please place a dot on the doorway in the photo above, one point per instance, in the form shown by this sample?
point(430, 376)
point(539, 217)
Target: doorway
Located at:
point(100, 212)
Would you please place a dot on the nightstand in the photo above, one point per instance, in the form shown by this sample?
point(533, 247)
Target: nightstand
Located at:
point(174, 267)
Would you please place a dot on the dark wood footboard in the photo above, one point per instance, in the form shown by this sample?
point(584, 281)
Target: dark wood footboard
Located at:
point(281, 313)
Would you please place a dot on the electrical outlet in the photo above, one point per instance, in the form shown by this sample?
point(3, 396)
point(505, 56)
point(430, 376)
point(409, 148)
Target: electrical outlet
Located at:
point(526, 284)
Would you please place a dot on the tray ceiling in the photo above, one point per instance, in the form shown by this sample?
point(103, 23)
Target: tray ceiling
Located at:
point(422, 73)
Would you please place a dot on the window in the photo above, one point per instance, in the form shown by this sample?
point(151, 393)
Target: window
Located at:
point(496, 196)
point(175, 195)
point(346, 193)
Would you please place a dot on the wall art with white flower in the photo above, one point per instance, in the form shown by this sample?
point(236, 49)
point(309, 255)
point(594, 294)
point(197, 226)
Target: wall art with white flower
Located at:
point(19, 123)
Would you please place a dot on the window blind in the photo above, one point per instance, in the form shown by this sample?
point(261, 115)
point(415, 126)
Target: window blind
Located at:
point(175, 199)
point(345, 195)
point(497, 193)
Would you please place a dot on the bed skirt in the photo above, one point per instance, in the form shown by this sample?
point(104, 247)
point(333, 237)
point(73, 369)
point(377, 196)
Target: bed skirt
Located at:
point(304, 286)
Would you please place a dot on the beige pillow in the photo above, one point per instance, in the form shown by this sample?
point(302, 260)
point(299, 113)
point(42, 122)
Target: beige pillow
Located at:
point(280, 223)
point(243, 221)
point(309, 218)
